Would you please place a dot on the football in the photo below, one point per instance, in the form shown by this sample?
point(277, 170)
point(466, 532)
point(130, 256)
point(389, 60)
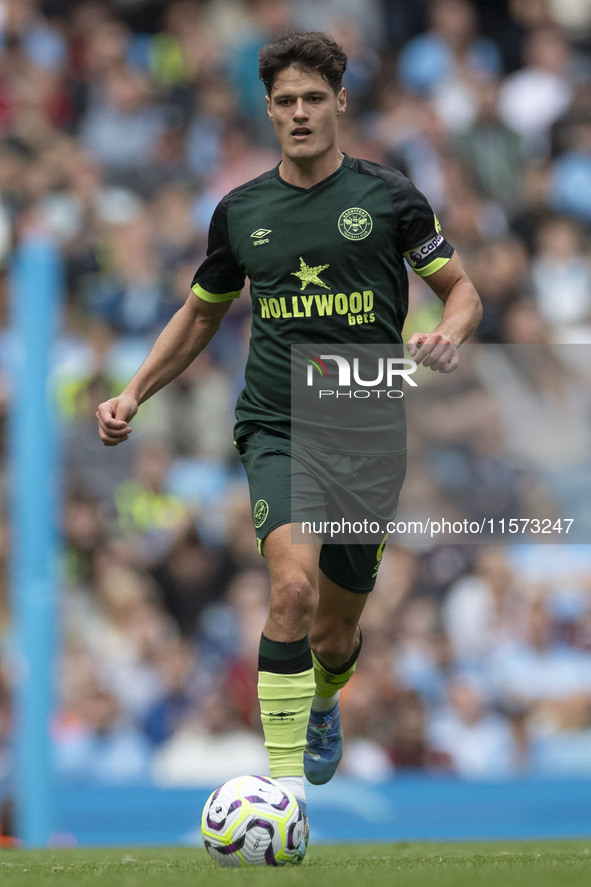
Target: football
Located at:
point(253, 820)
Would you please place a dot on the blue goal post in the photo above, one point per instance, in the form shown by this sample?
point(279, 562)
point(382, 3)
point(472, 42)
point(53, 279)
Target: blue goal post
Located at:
point(36, 290)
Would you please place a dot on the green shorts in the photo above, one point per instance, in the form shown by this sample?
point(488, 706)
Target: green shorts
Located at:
point(284, 489)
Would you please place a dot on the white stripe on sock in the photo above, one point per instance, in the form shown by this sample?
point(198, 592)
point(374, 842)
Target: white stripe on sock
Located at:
point(294, 784)
point(323, 703)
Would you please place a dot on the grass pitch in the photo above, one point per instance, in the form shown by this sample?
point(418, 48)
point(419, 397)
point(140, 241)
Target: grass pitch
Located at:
point(499, 864)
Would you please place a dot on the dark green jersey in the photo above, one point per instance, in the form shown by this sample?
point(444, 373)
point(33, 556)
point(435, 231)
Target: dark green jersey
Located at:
point(325, 264)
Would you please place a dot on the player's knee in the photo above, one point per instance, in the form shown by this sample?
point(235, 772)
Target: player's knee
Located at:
point(293, 602)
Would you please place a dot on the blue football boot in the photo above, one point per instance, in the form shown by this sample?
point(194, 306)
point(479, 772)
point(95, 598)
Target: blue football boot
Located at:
point(324, 748)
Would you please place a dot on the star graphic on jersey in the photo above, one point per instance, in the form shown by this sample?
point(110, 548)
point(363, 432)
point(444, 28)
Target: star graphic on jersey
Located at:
point(310, 275)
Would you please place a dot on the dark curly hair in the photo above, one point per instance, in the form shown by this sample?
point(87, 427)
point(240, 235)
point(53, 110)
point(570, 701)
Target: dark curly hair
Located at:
point(308, 50)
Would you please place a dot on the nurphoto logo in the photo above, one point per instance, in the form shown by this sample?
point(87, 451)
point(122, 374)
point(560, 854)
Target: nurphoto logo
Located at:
point(347, 373)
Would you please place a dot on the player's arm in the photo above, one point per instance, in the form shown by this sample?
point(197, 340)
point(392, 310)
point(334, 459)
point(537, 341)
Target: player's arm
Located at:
point(182, 339)
point(462, 311)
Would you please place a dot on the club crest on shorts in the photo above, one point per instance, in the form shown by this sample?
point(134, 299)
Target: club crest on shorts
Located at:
point(355, 223)
point(260, 513)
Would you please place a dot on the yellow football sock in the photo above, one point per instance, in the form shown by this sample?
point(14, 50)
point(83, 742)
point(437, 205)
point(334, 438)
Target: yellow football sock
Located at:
point(328, 683)
point(285, 688)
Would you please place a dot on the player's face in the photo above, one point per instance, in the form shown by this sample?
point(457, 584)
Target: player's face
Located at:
point(304, 110)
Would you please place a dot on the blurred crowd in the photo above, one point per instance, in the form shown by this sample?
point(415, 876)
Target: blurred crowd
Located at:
point(122, 123)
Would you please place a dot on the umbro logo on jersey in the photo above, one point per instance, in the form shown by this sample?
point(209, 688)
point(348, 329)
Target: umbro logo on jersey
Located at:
point(261, 235)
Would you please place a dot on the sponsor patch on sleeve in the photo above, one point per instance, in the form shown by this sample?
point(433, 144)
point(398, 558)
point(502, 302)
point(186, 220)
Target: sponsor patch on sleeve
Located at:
point(428, 257)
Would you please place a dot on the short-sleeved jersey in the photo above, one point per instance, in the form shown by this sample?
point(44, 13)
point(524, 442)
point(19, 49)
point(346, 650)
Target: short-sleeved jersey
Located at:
point(325, 264)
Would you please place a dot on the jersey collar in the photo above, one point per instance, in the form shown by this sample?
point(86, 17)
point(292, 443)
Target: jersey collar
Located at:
point(347, 162)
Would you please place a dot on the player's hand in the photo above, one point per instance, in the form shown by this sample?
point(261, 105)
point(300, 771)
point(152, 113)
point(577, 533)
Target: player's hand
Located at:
point(114, 416)
point(433, 350)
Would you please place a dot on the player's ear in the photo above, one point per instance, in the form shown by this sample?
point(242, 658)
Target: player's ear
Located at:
point(341, 100)
point(268, 101)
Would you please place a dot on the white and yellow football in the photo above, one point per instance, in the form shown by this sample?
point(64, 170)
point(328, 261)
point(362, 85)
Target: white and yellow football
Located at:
point(253, 820)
